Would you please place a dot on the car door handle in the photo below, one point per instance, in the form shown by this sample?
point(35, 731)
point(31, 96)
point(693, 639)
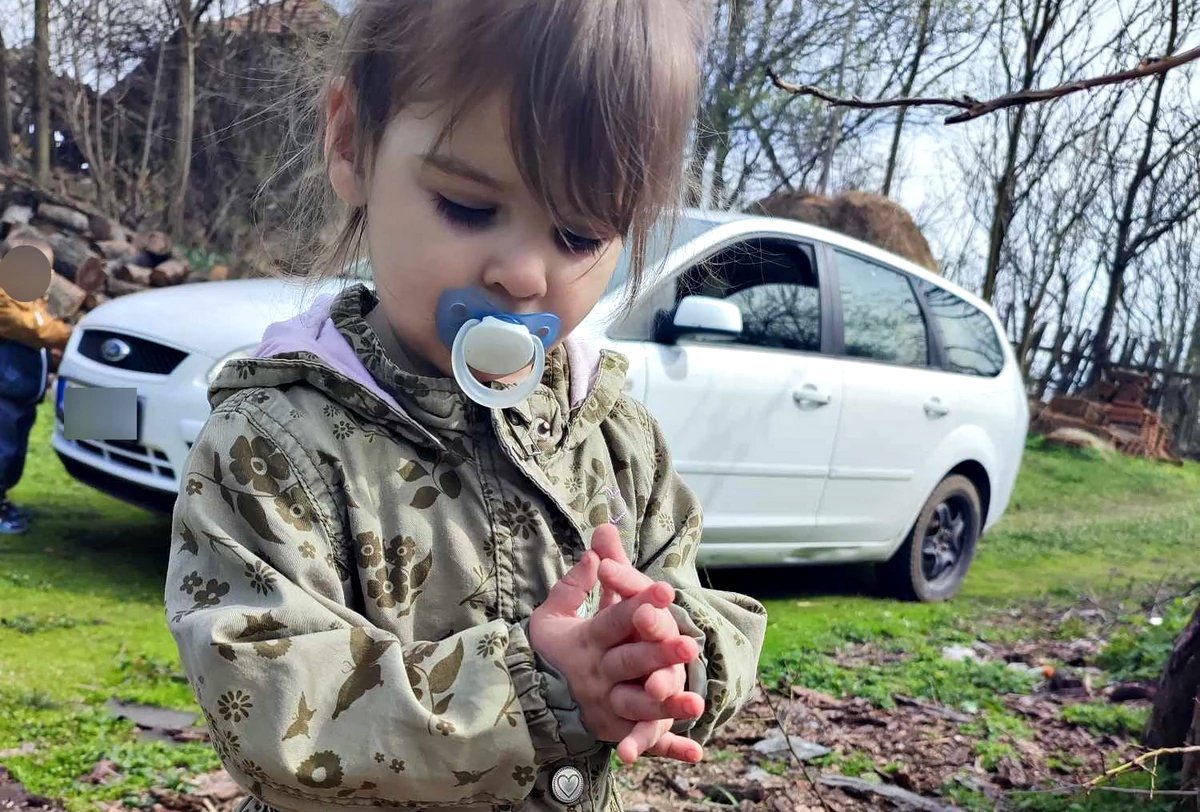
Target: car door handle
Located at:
point(935, 408)
point(810, 395)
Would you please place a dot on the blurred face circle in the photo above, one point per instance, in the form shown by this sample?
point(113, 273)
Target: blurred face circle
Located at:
point(460, 216)
point(25, 273)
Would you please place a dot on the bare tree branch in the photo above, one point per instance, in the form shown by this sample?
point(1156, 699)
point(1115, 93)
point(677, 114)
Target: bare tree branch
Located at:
point(974, 108)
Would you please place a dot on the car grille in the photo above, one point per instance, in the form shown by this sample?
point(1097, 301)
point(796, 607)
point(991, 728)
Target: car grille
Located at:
point(131, 455)
point(144, 355)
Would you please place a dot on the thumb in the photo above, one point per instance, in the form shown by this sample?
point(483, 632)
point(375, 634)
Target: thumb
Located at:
point(568, 594)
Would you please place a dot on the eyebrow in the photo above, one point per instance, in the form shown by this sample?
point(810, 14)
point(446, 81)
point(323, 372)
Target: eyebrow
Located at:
point(456, 166)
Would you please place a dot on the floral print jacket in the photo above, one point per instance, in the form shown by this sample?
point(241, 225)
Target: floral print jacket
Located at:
point(351, 579)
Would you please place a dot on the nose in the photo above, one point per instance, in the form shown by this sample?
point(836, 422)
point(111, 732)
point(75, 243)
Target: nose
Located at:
point(519, 273)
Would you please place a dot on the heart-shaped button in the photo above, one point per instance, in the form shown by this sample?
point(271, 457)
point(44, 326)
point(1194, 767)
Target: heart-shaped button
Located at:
point(567, 785)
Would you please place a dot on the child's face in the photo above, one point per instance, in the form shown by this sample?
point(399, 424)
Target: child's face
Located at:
point(462, 217)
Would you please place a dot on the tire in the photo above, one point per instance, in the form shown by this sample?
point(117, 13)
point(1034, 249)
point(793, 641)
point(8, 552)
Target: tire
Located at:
point(947, 529)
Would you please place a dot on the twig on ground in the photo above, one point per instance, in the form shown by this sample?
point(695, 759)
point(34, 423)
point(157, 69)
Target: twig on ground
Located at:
point(1151, 756)
point(788, 739)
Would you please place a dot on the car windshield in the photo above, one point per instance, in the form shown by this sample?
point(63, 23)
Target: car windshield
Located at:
point(659, 245)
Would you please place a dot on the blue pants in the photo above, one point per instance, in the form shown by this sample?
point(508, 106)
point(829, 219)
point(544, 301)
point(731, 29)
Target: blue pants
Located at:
point(16, 422)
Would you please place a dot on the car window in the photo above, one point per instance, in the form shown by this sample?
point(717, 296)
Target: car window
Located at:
point(660, 242)
point(968, 336)
point(773, 283)
point(880, 315)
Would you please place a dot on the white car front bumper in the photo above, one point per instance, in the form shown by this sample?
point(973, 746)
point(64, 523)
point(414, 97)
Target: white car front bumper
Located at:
point(174, 406)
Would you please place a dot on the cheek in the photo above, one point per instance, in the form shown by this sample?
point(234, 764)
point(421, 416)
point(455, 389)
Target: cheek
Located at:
point(575, 299)
point(408, 239)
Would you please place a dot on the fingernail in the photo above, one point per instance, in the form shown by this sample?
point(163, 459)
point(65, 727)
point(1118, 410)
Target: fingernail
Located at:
point(683, 650)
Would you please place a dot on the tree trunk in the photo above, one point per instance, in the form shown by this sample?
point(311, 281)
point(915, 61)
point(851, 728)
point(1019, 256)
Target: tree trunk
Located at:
point(41, 91)
point(913, 69)
point(1173, 722)
point(1002, 211)
point(1185, 423)
point(833, 134)
point(185, 114)
point(5, 113)
point(143, 173)
point(1124, 251)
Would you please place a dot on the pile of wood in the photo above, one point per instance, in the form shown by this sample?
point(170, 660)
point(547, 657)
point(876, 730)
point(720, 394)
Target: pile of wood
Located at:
point(1114, 410)
point(94, 257)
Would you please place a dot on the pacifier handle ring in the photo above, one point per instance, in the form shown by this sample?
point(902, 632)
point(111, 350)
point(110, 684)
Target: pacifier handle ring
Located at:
point(485, 395)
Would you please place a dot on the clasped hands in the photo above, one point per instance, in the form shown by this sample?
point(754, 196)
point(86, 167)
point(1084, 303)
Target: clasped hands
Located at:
point(624, 666)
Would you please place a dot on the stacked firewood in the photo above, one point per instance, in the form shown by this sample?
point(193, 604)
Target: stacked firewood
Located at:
point(1114, 409)
point(95, 258)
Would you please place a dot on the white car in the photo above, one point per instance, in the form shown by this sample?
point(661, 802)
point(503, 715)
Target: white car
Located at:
point(828, 401)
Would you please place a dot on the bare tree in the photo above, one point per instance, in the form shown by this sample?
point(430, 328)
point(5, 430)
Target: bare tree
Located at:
point(748, 137)
point(187, 14)
point(41, 90)
point(920, 47)
point(5, 112)
point(1152, 165)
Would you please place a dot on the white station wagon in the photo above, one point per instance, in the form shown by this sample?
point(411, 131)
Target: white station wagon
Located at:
point(828, 401)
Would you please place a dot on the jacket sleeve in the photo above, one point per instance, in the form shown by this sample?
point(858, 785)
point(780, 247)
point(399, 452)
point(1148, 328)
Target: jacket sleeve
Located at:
point(310, 706)
point(728, 626)
point(30, 324)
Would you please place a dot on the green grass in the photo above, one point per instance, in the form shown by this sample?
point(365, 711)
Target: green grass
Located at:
point(1113, 530)
point(81, 617)
point(81, 621)
point(1105, 717)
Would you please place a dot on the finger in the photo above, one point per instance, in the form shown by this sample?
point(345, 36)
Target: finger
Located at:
point(666, 681)
point(572, 590)
point(640, 659)
point(614, 624)
point(640, 739)
point(654, 624)
point(608, 598)
point(623, 578)
point(606, 543)
point(672, 745)
point(630, 701)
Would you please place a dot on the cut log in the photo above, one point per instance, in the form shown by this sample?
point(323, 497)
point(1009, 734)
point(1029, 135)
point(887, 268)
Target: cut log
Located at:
point(105, 228)
point(119, 287)
point(17, 216)
point(157, 245)
point(24, 231)
point(94, 300)
point(77, 221)
point(128, 272)
point(92, 275)
point(70, 252)
point(171, 272)
point(117, 249)
point(65, 298)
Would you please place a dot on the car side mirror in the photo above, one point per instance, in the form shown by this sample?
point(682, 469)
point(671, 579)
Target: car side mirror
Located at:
point(700, 317)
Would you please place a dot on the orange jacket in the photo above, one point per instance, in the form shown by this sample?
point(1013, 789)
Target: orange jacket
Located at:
point(31, 324)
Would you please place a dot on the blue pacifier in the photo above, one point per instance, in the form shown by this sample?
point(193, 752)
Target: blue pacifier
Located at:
point(482, 336)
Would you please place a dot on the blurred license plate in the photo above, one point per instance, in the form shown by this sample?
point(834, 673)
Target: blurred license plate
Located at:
point(60, 398)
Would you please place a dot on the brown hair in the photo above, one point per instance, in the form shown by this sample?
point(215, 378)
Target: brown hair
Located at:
point(603, 95)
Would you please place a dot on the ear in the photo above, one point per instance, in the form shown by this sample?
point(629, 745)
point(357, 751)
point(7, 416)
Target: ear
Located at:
point(340, 148)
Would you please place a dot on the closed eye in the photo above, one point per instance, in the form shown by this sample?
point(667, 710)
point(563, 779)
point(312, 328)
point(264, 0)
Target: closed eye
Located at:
point(464, 216)
point(575, 244)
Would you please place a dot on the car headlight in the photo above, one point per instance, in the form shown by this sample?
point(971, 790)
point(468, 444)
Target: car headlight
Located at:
point(244, 352)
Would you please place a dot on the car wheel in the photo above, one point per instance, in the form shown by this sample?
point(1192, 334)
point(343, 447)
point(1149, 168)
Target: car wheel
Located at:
point(932, 562)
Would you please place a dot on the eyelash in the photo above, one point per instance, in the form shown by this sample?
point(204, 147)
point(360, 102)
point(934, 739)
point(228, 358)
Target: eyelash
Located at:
point(464, 216)
point(476, 219)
